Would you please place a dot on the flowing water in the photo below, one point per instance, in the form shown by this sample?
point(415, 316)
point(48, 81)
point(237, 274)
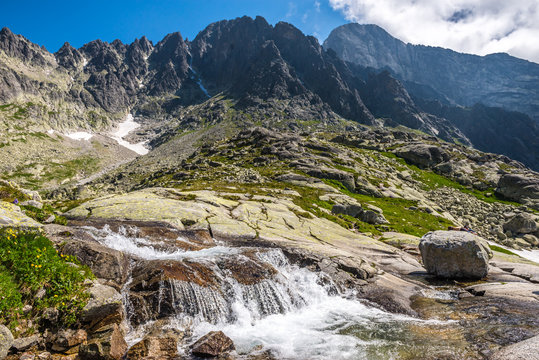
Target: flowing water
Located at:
point(295, 313)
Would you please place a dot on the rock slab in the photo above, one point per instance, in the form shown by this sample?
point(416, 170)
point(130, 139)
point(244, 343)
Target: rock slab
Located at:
point(455, 254)
point(523, 350)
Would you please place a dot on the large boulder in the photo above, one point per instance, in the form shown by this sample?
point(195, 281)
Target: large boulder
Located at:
point(104, 262)
point(346, 178)
point(212, 344)
point(11, 215)
point(161, 343)
point(423, 155)
point(455, 254)
point(104, 307)
point(521, 224)
point(6, 340)
point(521, 188)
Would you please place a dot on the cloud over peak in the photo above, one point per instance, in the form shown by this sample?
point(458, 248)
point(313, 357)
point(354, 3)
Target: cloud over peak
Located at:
point(472, 26)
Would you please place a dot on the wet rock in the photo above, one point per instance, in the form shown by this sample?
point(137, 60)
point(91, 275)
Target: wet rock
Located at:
point(212, 344)
point(153, 293)
point(104, 262)
point(107, 343)
point(455, 254)
point(521, 224)
point(523, 350)
point(104, 307)
point(23, 344)
point(6, 340)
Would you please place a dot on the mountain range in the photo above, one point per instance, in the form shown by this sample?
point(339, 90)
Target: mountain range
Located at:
point(277, 77)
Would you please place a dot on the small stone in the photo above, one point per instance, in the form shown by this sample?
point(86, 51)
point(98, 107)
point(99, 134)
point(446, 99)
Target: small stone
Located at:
point(27, 309)
point(531, 239)
point(50, 219)
point(105, 343)
point(32, 203)
point(68, 338)
point(6, 340)
point(41, 293)
point(44, 356)
point(27, 356)
point(23, 344)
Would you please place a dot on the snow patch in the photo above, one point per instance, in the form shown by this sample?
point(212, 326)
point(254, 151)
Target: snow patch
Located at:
point(124, 128)
point(50, 132)
point(198, 79)
point(79, 135)
point(532, 255)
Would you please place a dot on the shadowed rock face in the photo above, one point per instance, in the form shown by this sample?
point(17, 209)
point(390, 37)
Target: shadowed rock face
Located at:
point(441, 81)
point(450, 76)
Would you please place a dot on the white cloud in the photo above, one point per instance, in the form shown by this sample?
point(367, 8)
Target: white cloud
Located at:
point(472, 26)
point(292, 9)
point(317, 6)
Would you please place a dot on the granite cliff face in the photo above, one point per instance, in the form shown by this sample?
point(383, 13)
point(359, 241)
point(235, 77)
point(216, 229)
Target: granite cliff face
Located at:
point(496, 80)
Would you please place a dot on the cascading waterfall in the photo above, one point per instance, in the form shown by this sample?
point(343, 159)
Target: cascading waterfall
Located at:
point(294, 312)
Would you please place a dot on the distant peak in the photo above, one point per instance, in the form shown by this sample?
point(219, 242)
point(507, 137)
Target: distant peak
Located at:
point(6, 31)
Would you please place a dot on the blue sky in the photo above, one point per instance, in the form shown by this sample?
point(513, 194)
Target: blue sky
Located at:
point(51, 23)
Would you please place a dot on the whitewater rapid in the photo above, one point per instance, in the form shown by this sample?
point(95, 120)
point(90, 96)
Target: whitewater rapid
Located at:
point(297, 314)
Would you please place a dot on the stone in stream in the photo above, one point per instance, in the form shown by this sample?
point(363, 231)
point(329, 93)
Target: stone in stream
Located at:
point(6, 340)
point(212, 344)
point(455, 254)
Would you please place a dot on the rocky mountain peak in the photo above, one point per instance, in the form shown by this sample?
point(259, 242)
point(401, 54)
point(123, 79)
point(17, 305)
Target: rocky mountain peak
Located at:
point(171, 49)
point(68, 57)
point(143, 44)
point(19, 47)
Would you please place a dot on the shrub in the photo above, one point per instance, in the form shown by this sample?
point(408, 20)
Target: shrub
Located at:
point(30, 264)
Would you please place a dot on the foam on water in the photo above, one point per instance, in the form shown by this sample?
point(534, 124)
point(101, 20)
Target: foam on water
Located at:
point(145, 249)
point(296, 314)
point(310, 323)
